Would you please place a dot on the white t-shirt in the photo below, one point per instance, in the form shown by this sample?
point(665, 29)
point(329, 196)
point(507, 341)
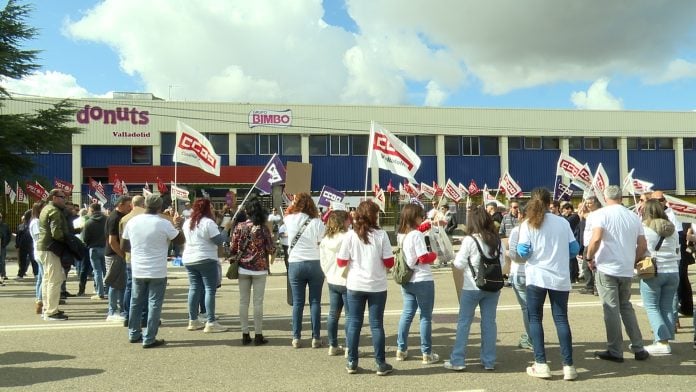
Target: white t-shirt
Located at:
point(149, 236)
point(413, 246)
point(469, 252)
point(675, 221)
point(621, 228)
point(327, 250)
point(517, 267)
point(307, 246)
point(186, 213)
point(366, 270)
point(283, 234)
point(199, 245)
point(669, 255)
point(548, 265)
point(34, 232)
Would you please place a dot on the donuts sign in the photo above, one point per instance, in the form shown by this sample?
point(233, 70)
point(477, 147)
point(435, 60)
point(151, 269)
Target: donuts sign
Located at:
point(270, 118)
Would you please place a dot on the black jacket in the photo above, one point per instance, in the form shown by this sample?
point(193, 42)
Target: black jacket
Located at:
point(94, 232)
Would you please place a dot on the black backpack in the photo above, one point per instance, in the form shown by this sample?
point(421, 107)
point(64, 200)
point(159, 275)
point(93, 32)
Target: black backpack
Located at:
point(490, 272)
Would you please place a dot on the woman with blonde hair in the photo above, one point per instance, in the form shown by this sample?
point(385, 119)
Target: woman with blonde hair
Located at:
point(305, 231)
point(336, 228)
point(367, 253)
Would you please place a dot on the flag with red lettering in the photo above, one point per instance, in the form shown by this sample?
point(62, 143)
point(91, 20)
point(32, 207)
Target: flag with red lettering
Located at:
point(427, 190)
point(636, 186)
point(124, 188)
point(192, 148)
point(473, 188)
point(510, 186)
point(179, 193)
point(118, 185)
point(65, 186)
point(146, 190)
point(161, 186)
point(21, 197)
point(376, 188)
point(389, 153)
point(463, 190)
point(411, 189)
point(600, 182)
point(685, 211)
point(390, 187)
point(379, 199)
point(100, 193)
point(35, 189)
point(438, 189)
point(403, 195)
point(452, 191)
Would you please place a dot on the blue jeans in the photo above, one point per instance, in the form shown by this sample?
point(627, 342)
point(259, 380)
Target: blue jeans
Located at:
point(203, 279)
point(487, 302)
point(303, 274)
point(96, 257)
point(39, 281)
point(116, 304)
point(536, 296)
point(417, 295)
point(658, 299)
point(127, 290)
point(338, 299)
point(519, 285)
point(150, 293)
point(356, 313)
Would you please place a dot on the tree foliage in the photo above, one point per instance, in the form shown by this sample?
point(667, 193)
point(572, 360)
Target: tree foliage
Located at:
point(40, 131)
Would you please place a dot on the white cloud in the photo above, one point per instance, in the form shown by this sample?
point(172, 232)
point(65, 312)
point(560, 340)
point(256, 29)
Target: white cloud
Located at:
point(436, 96)
point(597, 97)
point(676, 69)
point(49, 84)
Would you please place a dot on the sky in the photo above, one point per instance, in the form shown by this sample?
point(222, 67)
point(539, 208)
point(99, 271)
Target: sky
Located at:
point(548, 54)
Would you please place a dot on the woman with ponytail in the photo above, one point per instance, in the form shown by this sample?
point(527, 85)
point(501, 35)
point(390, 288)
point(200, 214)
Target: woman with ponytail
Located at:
point(547, 243)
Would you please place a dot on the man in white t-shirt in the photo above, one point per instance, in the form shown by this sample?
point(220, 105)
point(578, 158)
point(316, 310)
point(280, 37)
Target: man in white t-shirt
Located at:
point(616, 244)
point(146, 237)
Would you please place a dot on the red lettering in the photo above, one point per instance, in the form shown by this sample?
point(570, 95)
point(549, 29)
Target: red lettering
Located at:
point(190, 143)
point(381, 143)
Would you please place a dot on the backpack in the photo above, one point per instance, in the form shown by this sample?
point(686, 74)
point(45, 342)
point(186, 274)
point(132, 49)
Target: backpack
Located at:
point(490, 272)
point(401, 272)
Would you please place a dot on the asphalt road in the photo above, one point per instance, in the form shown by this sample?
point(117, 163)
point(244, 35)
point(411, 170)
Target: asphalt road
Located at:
point(87, 353)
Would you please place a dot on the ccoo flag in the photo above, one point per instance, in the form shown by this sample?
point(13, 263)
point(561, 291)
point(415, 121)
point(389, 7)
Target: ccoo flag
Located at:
point(192, 148)
point(390, 153)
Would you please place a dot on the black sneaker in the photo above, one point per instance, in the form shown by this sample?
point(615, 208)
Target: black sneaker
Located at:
point(642, 355)
point(156, 343)
point(138, 340)
point(607, 356)
point(60, 316)
point(352, 367)
point(384, 368)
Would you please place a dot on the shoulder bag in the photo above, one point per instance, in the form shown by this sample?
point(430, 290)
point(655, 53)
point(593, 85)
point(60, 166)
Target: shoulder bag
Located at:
point(647, 267)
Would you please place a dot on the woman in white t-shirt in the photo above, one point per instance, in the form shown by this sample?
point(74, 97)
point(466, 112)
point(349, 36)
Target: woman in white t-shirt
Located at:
point(519, 280)
point(200, 258)
point(419, 292)
point(483, 234)
point(336, 228)
point(304, 232)
point(547, 243)
point(34, 232)
point(367, 252)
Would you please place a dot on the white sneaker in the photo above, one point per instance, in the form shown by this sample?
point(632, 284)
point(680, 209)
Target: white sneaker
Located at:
point(335, 350)
point(569, 373)
point(195, 325)
point(540, 370)
point(214, 327)
point(401, 355)
point(316, 343)
point(296, 343)
point(659, 349)
point(456, 368)
point(430, 359)
point(115, 317)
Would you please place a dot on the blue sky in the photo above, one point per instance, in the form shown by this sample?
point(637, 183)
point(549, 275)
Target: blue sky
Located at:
point(634, 55)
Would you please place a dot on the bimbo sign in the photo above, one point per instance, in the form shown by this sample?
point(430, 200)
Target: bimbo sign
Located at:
point(270, 118)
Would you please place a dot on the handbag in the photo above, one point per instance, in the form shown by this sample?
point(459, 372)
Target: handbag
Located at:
point(233, 269)
point(647, 267)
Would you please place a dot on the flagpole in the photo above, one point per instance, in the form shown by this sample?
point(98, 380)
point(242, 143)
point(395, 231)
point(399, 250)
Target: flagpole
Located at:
point(252, 187)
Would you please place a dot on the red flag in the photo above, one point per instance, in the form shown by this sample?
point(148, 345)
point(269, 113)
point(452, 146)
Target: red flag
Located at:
point(63, 185)
point(376, 188)
point(412, 190)
point(35, 189)
point(390, 187)
point(161, 186)
point(118, 186)
point(473, 188)
point(438, 189)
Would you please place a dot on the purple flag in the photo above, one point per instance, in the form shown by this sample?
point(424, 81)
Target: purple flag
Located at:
point(561, 190)
point(273, 174)
point(328, 195)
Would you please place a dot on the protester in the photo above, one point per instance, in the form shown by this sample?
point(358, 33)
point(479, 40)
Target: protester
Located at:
point(367, 253)
point(336, 229)
point(568, 212)
point(305, 231)
point(253, 239)
point(138, 207)
point(519, 279)
point(5, 238)
point(617, 242)
point(34, 232)
point(450, 220)
point(483, 235)
point(584, 233)
point(510, 219)
point(658, 292)
point(25, 247)
point(419, 292)
point(200, 258)
point(114, 257)
point(547, 243)
point(147, 237)
point(94, 235)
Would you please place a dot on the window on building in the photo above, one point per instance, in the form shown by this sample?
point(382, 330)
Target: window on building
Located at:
point(360, 144)
point(317, 144)
point(575, 143)
point(409, 140)
point(689, 143)
point(141, 155)
point(453, 145)
point(246, 144)
point(551, 143)
point(426, 145)
point(220, 142)
point(514, 143)
point(470, 145)
point(268, 144)
point(339, 144)
point(292, 145)
point(648, 143)
point(632, 143)
point(665, 143)
point(489, 145)
point(167, 142)
point(592, 143)
point(609, 143)
point(532, 143)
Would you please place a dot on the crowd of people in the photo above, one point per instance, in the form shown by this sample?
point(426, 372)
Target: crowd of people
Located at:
point(541, 249)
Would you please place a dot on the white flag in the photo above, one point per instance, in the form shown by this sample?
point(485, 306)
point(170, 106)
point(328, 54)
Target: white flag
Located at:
point(13, 195)
point(390, 153)
point(685, 211)
point(179, 193)
point(452, 191)
point(510, 186)
point(600, 182)
point(192, 148)
point(379, 199)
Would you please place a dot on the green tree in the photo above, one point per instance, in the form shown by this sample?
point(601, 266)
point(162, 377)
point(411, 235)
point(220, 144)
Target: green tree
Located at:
point(43, 130)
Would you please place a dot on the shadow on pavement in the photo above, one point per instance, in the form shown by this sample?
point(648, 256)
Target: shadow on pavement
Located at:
point(20, 357)
point(24, 376)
